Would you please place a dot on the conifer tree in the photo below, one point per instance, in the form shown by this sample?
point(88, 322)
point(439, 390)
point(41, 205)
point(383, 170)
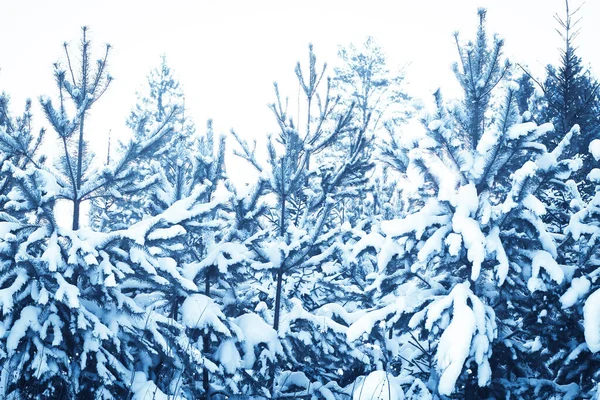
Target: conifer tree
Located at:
point(363, 79)
point(292, 244)
point(19, 145)
point(464, 264)
point(162, 179)
point(380, 103)
point(99, 315)
point(570, 97)
point(572, 354)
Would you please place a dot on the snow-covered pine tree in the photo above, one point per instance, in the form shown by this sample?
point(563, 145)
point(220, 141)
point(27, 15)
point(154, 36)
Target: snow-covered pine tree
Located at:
point(19, 145)
point(293, 244)
point(364, 79)
point(380, 103)
point(86, 314)
point(159, 181)
point(186, 162)
point(570, 96)
point(570, 92)
point(461, 277)
point(574, 354)
point(164, 93)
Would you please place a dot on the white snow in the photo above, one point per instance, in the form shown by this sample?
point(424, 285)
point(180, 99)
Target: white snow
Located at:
point(418, 391)
point(7, 294)
point(434, 244)
point(289, 379)
point(228, 356)
point(222, 256)
point(539, 259)
point(534, 345)
point(110, 281)
point(167, 233)
point(494, 246)
point(378, 385)
point(518, 130)
point(594, 175)
point(169, 265)
point(455, 343)
point(454, 243)
point(27, 320)
point(430, 214)
point(536, 206)
point(466, 200)
point(473, 239)
point(488, 140)
point(200, 311)
point(578, 289)
point(469, 332)
point(434, 125)
point(65, 289)
point(256, 331)
point(543, 129)
point(366, 323)
point(591, 321)
point(6, 228)
point(594, 148)
point(143, 389)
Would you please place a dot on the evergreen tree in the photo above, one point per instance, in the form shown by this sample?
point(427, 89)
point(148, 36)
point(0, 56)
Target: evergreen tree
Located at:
point(380, 103)
point(570, 97)
point(474, 255)
point(19, 145)
point(162, 179)
point(573, 354)
point(294, 242)
point(99, 315)
point(364, 80)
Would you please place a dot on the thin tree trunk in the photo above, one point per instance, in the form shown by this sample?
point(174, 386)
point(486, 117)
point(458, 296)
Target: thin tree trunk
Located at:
point(278, 291)
point(76, 211)
point(206, 339)
point(278, 288)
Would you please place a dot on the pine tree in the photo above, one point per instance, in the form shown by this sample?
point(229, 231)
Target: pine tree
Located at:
point(99, 315)
point(570, 97)
point(19, 145)
point(364, 80)
point(474, 255)
point(574, 358)
point(380, 103)
point(161, 180)
point(294, 241)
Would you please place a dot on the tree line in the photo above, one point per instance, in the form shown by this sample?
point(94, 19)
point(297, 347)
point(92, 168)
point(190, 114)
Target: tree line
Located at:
point(368, 259)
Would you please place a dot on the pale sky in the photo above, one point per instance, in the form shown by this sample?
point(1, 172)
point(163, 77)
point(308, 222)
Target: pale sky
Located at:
point(228, 53)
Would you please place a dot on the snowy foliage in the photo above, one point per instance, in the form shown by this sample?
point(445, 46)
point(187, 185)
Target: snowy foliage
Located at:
point(460, 262)
point(459, 269)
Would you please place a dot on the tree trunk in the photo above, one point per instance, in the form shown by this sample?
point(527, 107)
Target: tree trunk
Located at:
point(206, 338)
point(76, 205)
point(278, 291)
point(77, 201)
point(278, 288)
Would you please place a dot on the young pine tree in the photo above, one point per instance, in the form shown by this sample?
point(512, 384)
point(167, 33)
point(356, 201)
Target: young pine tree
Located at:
point(461, 277)
point(570, 96)
point(163, 179)
point(86, 314)
point(293, 243)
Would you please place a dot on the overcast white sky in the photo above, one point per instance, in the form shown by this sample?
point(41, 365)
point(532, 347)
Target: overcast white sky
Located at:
point(228, 53)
